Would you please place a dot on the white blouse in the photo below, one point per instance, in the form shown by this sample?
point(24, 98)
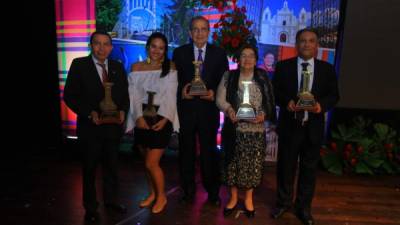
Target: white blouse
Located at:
point(140, 82)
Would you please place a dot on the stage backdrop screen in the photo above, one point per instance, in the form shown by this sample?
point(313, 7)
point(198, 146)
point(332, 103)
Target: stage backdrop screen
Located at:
point(130, 22)
point(369, 67)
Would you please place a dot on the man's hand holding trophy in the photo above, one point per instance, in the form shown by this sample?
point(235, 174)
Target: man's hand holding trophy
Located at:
point(197, 86)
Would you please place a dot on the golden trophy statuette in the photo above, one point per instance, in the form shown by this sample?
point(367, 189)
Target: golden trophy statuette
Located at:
point(109, 113)
point(306, 99)
point(197, 86)
point(150, 112)
point(246, 110)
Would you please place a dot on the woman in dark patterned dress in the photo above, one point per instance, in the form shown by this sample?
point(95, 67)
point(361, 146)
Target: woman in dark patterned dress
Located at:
point(244, 141)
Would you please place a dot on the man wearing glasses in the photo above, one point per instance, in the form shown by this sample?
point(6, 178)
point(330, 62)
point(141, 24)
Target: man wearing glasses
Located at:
point(199, 115)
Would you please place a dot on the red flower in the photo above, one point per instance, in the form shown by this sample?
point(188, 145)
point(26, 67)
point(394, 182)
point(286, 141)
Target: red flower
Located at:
point(390, 156)
point(235, 42)
point(360, 149)
point(220, 6)
point(389, 146)
point(244, 30)
point(226, 39)
point(347, 155)
point(348, 147)
point(334, 146)
point(353, 161)
point(234, 28)
point(215, 36)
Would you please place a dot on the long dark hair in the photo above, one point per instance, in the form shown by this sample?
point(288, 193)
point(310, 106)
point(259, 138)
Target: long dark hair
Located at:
point(166, 65)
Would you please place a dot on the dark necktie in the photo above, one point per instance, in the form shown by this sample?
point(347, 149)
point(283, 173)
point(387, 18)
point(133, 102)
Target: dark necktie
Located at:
point(304, 66)
point(300, 115)
point(200, 58)
point(104, 75)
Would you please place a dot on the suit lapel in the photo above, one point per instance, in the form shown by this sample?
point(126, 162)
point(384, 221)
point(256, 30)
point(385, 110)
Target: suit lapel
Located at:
point(207, 59)
point(315, 76)
point(111, 71)
point(294, 72)
point(190, 53)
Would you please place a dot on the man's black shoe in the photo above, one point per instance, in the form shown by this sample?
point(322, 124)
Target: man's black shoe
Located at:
point(305, 217)
point(278, 212)
point(91, 216)
point(116, 207)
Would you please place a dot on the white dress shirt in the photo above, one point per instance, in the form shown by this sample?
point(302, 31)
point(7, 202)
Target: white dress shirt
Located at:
point(99, 68)
point(196, 52)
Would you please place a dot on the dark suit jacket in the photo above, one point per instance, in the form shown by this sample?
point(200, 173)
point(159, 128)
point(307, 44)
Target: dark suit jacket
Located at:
point(84, 91)
point(324, 89)
point(214, 66)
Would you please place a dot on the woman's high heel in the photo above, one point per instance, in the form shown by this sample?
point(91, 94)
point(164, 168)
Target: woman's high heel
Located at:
point(249, 214)
point(228, 211)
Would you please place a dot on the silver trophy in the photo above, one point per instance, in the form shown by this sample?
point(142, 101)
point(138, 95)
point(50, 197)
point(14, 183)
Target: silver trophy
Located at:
point(246, 110)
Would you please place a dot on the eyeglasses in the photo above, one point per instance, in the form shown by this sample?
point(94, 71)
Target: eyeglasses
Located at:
point(244, 56)
point(199, 30)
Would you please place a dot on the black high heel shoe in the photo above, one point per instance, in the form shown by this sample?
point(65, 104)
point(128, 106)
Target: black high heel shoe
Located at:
point(249, 214)
point(228, 211)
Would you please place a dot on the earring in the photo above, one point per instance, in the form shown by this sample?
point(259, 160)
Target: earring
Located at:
point(148, 60)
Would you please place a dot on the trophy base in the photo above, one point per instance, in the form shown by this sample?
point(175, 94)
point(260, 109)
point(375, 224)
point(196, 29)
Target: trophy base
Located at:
point(110, 118)
point(150, 120)
point(306, 103)
point(245, 113)
point(198, 89)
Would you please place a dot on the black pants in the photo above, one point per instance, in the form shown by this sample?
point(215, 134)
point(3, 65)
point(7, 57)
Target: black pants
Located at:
point(303, 143)
point(97, 149)
point(205, 127)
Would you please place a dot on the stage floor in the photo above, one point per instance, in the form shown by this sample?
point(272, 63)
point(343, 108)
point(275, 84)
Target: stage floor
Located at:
point(45, 189)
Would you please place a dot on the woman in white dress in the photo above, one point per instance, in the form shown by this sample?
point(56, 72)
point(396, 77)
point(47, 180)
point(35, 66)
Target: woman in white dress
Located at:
point(156, 75)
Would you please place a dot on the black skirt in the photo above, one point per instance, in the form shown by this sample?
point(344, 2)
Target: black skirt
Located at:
point(154, 139)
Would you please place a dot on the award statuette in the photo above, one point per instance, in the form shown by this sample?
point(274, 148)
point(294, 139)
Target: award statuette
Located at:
point(109, 113)
point(246, 110)
point(306, 99)
point(197, 86)
point(150, 112)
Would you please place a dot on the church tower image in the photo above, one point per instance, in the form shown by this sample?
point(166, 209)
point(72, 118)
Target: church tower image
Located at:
point(280, 29)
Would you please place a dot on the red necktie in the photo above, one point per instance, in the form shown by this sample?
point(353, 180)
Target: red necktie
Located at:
point(104, 75)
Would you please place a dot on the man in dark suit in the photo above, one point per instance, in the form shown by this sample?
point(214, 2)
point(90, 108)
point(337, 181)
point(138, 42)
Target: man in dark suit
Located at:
point(199, 116)
point(99, 142)
point(301, 132)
